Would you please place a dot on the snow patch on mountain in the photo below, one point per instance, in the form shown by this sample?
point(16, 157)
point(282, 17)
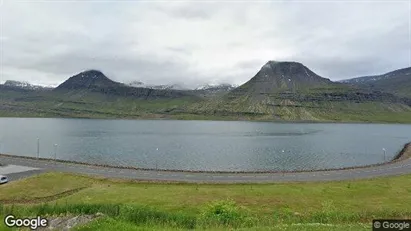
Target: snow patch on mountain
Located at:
point(176, 86)
point(223, 86)
point(26, 85)
point(389, 75)
point(158, 87)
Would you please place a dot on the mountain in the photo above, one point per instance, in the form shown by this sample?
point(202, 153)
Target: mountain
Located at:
point(285, 80)
point(136, 84)
point(94, 81)
point(280, 91)
point(213, 90)
point(158, 87)
point(91, 79)
point(24, 85)
point(168, 87)
point(291, 91)
point(275, 77)
point(397, 82)
point(217, 87)
point(204, 91)
point(91, 94)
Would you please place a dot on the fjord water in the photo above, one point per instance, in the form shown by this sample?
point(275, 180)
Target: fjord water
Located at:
point(204, 145)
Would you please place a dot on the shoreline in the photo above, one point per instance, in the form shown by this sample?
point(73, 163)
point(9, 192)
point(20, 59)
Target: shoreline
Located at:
point(215, 120)
point(404, 154)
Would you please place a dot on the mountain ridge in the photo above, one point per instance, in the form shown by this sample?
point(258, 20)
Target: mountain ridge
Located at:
point(24, 85)
point(279, 91)
point(277, 77)
point(96, 82)
point(87, 80)
point(397, 82)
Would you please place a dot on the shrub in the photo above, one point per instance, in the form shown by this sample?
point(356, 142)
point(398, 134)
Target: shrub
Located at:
point(225, 212)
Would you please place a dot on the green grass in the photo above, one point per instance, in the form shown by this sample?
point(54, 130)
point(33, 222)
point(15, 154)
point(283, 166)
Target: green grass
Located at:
point(128, 205)
point(107, 224)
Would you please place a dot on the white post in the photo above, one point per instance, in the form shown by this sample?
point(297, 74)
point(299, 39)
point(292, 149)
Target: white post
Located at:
point(38, 148)
point(156, 162)
point(55, 152)
point(384, 154)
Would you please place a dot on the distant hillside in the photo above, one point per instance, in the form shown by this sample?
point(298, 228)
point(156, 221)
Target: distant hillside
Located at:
point(91, 94)
point(217, 87)
point(203, 91)
point(96, 82)
point(217, 90)
point(397, 82)
point(280, 91)
point(157, 87)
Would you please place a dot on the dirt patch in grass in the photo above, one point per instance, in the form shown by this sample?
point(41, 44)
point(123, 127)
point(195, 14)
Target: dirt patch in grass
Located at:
point(68, 222)
point(34, 200)
point(46, 185)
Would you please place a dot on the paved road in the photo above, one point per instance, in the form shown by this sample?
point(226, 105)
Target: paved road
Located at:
point(15, 172)
point(397, 168)
point(20, 175)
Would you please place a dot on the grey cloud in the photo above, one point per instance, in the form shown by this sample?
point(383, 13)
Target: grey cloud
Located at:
point(250, 64)
point(189, 13)
point(118, 68)
point(201, 42)
point(347, 68)
point(181, 50)
point(188, 10)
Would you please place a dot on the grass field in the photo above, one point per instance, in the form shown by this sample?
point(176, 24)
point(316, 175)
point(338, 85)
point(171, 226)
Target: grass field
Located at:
point(128, 205)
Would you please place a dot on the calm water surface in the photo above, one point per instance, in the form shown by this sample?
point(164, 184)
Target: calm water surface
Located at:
point(204, 145)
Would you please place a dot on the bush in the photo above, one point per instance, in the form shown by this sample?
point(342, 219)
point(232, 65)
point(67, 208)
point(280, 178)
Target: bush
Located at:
point(226, 213)
point(147, 215)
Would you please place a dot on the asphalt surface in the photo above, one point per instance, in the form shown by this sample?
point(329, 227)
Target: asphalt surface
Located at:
point(40, 166)
point(21, 175)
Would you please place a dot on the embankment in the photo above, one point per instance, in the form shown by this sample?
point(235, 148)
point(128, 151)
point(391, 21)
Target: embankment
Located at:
point(405, 153)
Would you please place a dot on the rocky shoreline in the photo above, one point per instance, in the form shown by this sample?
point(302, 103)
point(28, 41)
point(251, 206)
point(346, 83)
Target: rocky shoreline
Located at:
point(405, 153)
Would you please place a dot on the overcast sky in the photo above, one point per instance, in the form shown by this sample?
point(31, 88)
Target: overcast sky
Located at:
point(46, 42)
